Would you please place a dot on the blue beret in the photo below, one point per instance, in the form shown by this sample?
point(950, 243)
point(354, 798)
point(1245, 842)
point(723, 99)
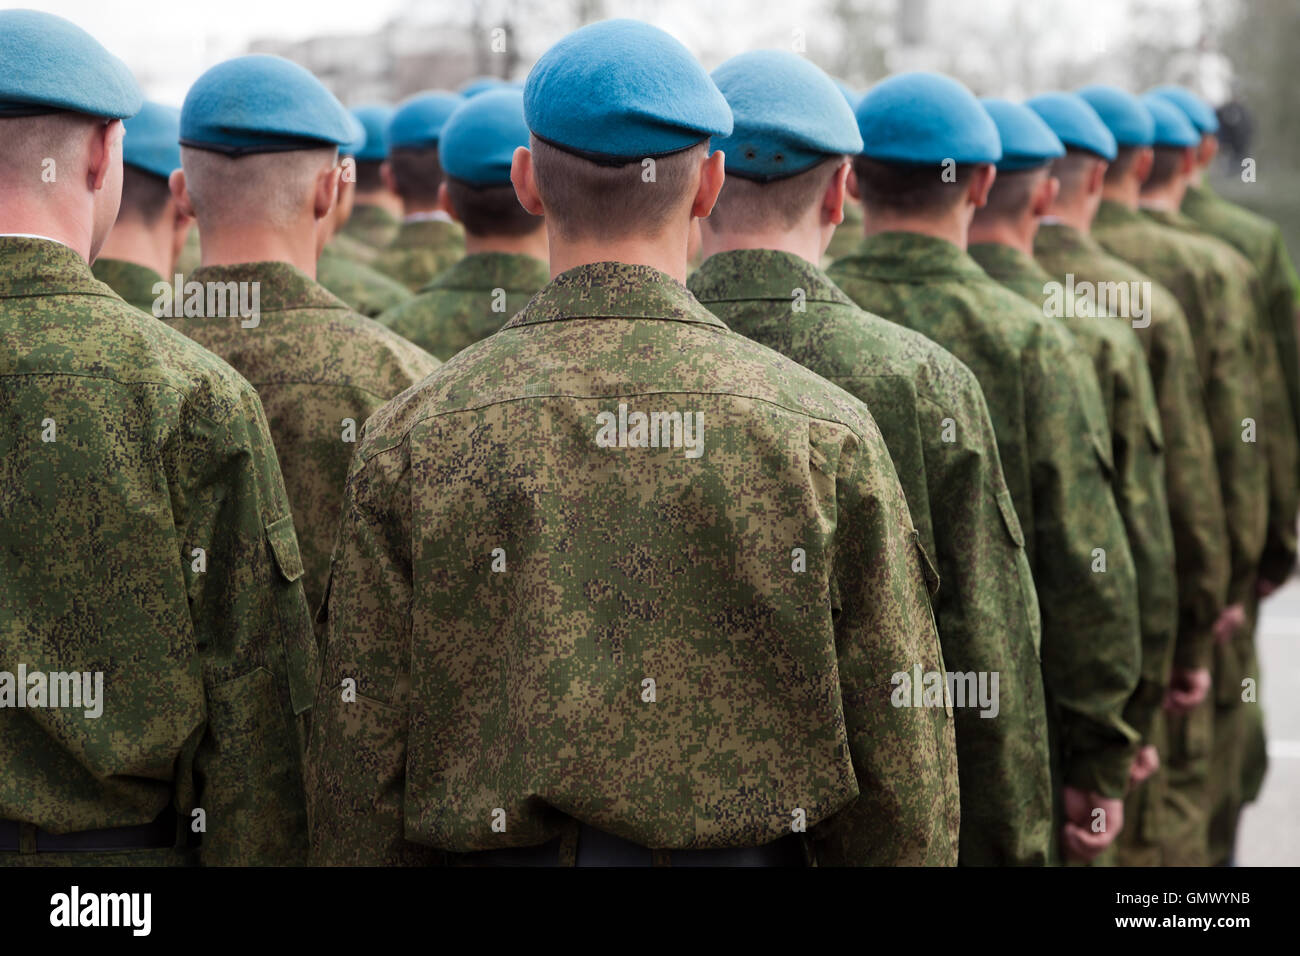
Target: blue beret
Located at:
point(1198, 111)
point(262, 104)
point(926, 118)
point(622, 90)
point(480, 84)
point(481, 137)
point(152, 141)
point(1127, 119)
point(419, 119)
point(1173, 128)
point(1075, 123)
point(789, 115)
point(52, 65)
point(375, 120)
point(848, 94)
point(1026, 140)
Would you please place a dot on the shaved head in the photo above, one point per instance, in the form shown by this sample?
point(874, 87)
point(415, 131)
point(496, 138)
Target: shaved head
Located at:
point(264, 189)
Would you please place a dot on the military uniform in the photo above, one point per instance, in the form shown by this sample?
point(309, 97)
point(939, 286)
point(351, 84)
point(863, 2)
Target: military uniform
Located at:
point(616, 566)
point(468, 302)
point(149, 539)
point(347, 247)
point(364, 289)
point(372, 225)
point(317, 366)
point(133, 282)
point(1057, 474)
point(847, 233)
point(421, 250)
point(986, 609)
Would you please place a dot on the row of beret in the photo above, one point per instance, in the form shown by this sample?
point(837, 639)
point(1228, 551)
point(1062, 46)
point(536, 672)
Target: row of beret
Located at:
point(612, 91)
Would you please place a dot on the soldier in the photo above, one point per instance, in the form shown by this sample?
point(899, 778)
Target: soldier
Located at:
point(770, 224)
point(150, 568)
point(1114, 377)
point(150, 231)
point(374, 220)
point(927, 165)
point(558, 633)
point(849, 232)
point(428, 242)
point(505, 245)
point(259, 141)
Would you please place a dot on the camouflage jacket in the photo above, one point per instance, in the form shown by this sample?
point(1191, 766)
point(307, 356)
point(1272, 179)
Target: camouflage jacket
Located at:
point(364, 289)
point(1191, 476)
point(321, 371)
point(932, 414)
point(1117, 369)
point(132, 282)
point(1220, 313)
point(421, 250)
point(847, 234)
point(468, 302)
point(687, 637)
point(1058, 474)
point(147, 538)
point(373, 225)
point(350, 247)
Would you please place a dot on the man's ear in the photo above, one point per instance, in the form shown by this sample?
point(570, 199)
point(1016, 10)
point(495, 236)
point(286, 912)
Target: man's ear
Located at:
point(1096, 177)
point(444, 201)
point(521, 176)
point(1187, 165)
point(327, 191)
point(981, 181)
point(832, 211)
point(1142, 164)
point(712, 175)
point(1044, 195)
point(180, 193)
point(104, 143)
point(1208, 149)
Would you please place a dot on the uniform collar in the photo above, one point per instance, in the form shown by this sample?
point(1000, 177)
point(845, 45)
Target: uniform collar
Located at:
point(1060, 236)
point(132, 281)
point(1004, 262)
point(899, 256)
point(762, 274)
point(511, 271)
point(614, 290)
point(371, 215)
point(415, 233)
point(281, 286)
point(1111, 213)
point(39, 266)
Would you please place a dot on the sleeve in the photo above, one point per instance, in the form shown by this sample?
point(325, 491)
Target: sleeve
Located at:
point(907, 810)
point(1279, 436)
point(255, 644)
point(1091, 636)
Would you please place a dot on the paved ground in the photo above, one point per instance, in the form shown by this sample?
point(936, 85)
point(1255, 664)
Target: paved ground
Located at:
point(1270, 829)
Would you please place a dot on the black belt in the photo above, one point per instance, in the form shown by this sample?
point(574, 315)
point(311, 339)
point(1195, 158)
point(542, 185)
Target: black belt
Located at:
point(157, 834)
point(598, 848)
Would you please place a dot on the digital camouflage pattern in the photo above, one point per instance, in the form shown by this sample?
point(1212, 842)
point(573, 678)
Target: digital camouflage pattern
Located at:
point(131, 281)
point(373, 225)
point(1058, 474)
point(421, 250)
point(158, 449)
point(350, 247)
point(468, 302)
point(986, 608)
point(364, 289)
point(521, 688)
point(1115, 376)
point(317, 366)
point(1191, 476)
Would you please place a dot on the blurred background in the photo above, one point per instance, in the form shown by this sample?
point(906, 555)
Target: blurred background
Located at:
point(1239, 54)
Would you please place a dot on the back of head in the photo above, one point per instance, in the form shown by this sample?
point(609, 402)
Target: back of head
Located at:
point(477, 149)
point(412, 139)
point(370, 155)
point(1029, 147)
point(620, 115)
point(1088, 139)
point(1174, 135)
point(150, 151)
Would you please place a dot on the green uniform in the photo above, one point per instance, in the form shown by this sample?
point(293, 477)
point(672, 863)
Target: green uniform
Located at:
point(132, 282)
point(352, 248)
point(373, 225)
point(986, 609)
point(321, 371)
point(847, 234)
point(468, 302)
point(364, 289)
point(189, 259)
point(148, 538)
point(421, 250)
point(1058, 475)
point(549, 620)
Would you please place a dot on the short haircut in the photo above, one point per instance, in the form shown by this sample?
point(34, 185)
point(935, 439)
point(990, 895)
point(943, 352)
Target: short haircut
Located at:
point(417, 174)
point(144, 196)
point(1012, 192)
point(1073, 170)
point(1165, 166)
point(31, 140)
point(258, 189)
point(1122, 163)
point(369, 179)
point(490, 210)
point(586, 200)
point(747, 205)
point(908, 189)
